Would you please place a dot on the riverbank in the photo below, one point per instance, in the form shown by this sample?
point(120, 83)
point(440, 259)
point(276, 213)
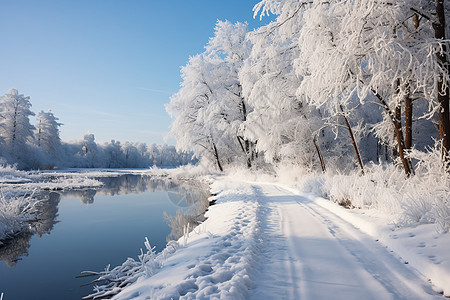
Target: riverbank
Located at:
point(267, 239)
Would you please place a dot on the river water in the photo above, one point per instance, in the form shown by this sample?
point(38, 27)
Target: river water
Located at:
point(85, 230)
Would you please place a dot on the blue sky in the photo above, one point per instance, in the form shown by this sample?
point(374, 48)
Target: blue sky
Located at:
point(107, 67)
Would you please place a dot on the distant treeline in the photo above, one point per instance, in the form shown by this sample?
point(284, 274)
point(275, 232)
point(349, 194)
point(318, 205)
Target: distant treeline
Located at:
point(40, 146)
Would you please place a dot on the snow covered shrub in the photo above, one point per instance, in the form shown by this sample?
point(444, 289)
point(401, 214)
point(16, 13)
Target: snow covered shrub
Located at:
point(442, 214)
point(379, 188)
point(421, 198)
point(203, 167)
point(113, 281)
point(429, 190)
point(15, 213)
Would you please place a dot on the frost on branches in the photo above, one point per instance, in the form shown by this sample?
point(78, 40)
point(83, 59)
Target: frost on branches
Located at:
point(360, 80)
point(346, 87)
point(209, 108)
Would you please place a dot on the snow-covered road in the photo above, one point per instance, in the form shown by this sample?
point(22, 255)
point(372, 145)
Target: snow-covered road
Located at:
point(311, 253)
point(267, 241)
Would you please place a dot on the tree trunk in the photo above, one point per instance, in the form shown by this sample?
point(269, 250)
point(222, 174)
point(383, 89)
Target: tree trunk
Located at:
point(409, 103)
point(443, 93)
point(13, 140)
point(216, 156)
point(398, 134)
point(246, 149)
point(355, 146)
point(247, 144)
point(319, 153)
point(398, 118)
point(408, 121)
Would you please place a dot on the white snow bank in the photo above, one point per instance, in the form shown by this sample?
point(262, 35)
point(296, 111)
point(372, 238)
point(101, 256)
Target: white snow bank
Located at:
point(13, 179)
point(10, 175)
point(58, 183)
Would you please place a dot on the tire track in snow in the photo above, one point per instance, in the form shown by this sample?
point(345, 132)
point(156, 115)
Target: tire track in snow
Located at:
point(393, 274)
point(322, 256)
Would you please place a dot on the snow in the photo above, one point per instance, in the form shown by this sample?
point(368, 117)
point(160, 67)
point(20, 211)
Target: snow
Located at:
point(268, 240)
point(421, 246)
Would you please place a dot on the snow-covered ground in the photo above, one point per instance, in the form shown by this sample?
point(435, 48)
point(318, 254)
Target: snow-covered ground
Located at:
point(264, 240)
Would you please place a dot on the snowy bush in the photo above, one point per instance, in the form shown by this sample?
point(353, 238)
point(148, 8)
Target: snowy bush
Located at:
point(15, 213)
point(429, 190)
point(130, 271)
point(421, 198)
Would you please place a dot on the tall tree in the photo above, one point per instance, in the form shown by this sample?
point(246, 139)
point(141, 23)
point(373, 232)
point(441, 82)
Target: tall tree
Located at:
point(231, 48)
point(209, 108)
point(47, 132)
point(439, 26)
point(286, 130)
point(195, 114)
point(89, 151)
point(15, 127)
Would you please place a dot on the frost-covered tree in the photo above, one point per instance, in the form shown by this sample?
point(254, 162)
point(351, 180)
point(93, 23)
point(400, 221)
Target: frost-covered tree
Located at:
point(39, 147)
point(433, 29)
point(89, 152)
point(15, 127)
point(47, 133)
point(114, 155)
point(370, 49)
point(209, 107)
point(231, 45)
point(326, 64)
point(193, 113)
point(287, 130)
point(133, 157)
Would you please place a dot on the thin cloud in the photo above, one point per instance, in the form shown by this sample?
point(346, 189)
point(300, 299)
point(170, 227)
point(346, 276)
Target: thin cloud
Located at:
point(155, 90)
point(88, 110)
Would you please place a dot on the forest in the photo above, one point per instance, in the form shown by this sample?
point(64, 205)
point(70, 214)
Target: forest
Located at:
point(355, 92)
point(326, 85)
point(39, 146)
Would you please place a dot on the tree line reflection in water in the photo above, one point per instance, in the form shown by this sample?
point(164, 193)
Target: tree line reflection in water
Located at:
point(190, 196)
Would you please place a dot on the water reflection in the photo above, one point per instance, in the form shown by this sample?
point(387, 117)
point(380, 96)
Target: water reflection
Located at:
point(189, 196)
point(11, 252)
point(17, 247)
point(48, 214)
